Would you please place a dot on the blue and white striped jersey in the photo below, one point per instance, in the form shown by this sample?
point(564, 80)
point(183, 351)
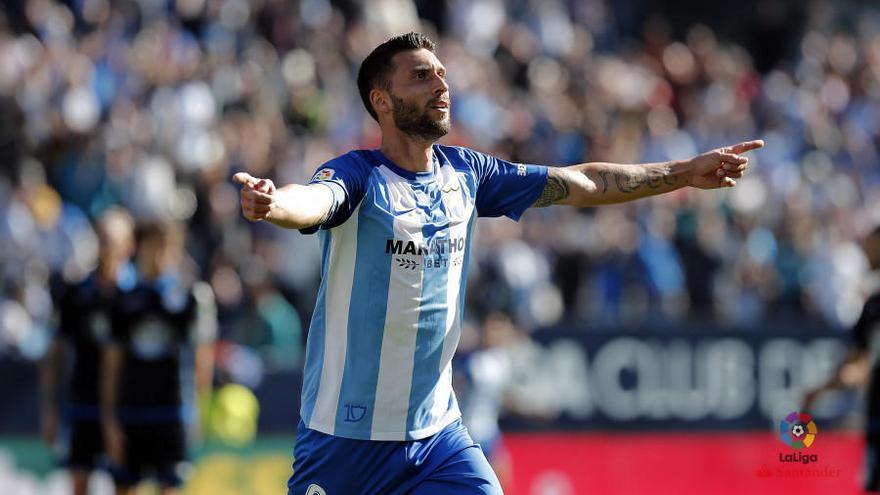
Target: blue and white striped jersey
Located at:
point(393, 271)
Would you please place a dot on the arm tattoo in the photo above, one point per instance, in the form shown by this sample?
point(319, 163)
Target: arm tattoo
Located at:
point(555, 191)
point(604, 176)
point(628, 182)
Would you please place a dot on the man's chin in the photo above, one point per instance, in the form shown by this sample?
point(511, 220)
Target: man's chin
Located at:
point(432, 132)
point(444, 128)
point(443, 125)
point(440, 132)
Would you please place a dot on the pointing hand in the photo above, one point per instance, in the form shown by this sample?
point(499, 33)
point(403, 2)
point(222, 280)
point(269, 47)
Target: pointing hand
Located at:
point(257, 196)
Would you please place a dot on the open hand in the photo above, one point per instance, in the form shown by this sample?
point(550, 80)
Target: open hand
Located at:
point(257, 196)
point(721, 167)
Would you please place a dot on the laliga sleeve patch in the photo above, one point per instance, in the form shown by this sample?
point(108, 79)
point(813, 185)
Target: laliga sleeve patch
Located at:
point(324, 174)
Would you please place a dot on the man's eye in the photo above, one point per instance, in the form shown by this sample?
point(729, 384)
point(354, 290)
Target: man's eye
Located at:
point(420, 75)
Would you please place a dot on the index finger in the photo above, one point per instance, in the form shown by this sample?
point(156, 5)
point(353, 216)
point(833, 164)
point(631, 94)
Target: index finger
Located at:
point(245, 179)
point(745, 146)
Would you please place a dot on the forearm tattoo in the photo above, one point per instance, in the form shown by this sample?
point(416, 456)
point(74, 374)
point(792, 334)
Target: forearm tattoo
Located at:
point(629, 182)
point(555, 191)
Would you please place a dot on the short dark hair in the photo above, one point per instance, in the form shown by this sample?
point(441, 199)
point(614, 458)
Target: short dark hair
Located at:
point(376, 68)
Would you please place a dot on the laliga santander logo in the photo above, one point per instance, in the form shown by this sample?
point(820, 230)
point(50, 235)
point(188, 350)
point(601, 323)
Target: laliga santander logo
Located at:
point(798, 430)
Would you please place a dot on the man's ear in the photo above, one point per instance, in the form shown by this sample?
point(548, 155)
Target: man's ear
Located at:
point(380, 100)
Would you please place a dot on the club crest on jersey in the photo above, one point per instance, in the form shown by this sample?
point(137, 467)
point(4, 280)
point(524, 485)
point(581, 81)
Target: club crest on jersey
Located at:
point(448, 188)
point(324, 174)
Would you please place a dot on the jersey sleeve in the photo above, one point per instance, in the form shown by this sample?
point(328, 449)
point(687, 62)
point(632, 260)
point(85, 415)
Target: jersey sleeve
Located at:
point(118, 323)
point(346, 177)
point(66, 314)
point(121, 317)
point(870, 316)
point(505, 188)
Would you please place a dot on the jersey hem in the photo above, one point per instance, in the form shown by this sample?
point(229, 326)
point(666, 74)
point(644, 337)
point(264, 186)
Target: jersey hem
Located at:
point(398, 436)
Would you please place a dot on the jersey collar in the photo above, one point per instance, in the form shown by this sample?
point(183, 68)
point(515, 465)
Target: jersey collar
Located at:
point(408, 174)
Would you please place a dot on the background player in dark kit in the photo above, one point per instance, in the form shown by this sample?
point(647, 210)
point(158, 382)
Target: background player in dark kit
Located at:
point(84, 326)
point(861, 367)
point(163, 330)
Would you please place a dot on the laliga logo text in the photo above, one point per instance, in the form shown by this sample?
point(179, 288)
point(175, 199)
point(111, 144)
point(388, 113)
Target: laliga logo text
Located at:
point(798, 431)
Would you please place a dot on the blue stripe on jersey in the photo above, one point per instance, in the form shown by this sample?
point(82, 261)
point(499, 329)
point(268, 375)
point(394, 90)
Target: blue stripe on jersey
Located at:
point(432, 323)
point(315, 345)
point(366, 317)
point(464, 269)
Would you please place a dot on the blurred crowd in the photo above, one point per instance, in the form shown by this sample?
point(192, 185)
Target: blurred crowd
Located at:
point(152, 105)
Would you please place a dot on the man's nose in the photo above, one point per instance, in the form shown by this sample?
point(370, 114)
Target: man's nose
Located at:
point(440, 87)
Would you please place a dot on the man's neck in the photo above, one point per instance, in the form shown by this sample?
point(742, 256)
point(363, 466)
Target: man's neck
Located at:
point(406, 152)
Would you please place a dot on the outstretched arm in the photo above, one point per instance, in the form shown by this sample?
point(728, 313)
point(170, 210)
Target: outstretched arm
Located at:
point(292, 206)
point(853, 371)
point(593, 184)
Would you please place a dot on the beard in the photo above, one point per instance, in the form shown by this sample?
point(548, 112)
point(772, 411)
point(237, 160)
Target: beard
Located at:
point(416, 122)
